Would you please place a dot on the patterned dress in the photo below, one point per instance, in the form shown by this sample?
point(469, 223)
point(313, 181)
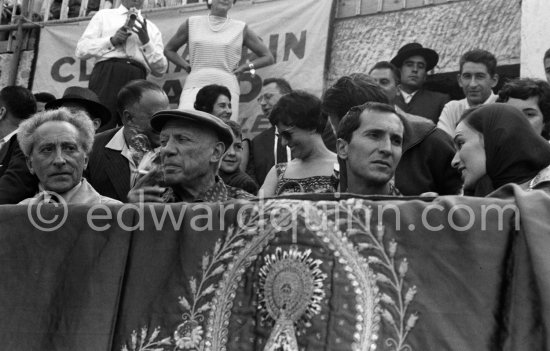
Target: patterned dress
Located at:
point(316, 184)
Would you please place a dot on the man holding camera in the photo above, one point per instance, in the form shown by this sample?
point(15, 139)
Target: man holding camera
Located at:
point(125, 47)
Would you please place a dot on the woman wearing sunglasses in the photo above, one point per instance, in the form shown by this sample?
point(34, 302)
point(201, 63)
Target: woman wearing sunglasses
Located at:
point(300, 124)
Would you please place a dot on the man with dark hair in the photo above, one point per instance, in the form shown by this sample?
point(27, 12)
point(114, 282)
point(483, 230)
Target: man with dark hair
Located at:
point(427, 152)
point(546, 62)
point(16, 182)
point(16, 105)
point(370, 140)
point(349, 91)
point(532, 97)
point(477, 77)
point(414, 63)
point(266, 149)
point(120, 155)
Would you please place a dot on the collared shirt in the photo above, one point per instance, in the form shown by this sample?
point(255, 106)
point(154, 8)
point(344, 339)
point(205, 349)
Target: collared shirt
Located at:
point(219, 192)
point(118, 143)
point(82, 193)
point(7, 138)
point(406, 96)
point(452, 112)
point(275, 144)
point(96, 43)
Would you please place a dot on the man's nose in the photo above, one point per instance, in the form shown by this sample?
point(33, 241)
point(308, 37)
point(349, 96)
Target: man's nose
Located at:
point(59, 159)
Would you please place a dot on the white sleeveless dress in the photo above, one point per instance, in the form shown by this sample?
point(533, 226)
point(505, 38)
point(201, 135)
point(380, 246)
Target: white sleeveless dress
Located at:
point(214, 52)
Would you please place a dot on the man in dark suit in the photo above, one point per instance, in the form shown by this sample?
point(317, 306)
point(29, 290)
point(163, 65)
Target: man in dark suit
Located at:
point(266, 149)
point(120, 155)
point(16, 182)
point(414, 61)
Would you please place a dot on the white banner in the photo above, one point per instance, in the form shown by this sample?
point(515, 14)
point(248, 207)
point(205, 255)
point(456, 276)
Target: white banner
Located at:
point(295, 31)
point(534, 37)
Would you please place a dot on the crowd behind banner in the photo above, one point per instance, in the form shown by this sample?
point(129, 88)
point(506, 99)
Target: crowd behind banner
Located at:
point(253, 121)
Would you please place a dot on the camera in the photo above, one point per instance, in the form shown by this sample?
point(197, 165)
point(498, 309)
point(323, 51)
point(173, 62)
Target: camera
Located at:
point(131, 18)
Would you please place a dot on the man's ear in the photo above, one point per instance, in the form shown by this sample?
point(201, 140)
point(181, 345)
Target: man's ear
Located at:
point(125, 117)
point(342, 148)
point(29, 164)
point(97, 123)
point(458, 80)
point(3, 113)
point(217, 152)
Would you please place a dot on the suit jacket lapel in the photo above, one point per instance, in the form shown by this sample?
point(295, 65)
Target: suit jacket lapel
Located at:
point(118, 170)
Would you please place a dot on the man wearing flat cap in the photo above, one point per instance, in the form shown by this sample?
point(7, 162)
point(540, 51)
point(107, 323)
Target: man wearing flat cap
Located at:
point(414, 61)
point(192, 146)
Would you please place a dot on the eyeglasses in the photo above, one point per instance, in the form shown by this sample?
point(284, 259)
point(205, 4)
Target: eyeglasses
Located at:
point(286, 133)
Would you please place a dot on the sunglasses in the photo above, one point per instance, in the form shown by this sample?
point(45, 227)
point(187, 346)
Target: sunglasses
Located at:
point(286, 133)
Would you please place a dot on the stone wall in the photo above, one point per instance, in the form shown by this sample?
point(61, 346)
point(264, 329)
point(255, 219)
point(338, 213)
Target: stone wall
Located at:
point(451, 29)
point(24, 71)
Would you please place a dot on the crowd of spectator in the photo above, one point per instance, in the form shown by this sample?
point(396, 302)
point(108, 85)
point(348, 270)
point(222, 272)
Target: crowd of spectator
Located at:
point(379, 132)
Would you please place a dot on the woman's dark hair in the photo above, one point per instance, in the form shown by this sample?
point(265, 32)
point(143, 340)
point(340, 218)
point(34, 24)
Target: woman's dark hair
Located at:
point(207, 96)
point(526, 88)
point(514, 152)
point(300, 109)
point(209, 3)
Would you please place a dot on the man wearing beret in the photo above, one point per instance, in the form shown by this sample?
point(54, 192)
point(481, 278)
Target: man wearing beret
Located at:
point(192, 146)
point(414, 61)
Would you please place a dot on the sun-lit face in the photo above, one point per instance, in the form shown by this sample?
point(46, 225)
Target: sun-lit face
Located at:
point(57, 157)
point(476, 82)
point(530, 109)
point(385, 78)
point(222, 108)
point(469, 159)
point(187, 152)
point(413, 72)
point(375, 148)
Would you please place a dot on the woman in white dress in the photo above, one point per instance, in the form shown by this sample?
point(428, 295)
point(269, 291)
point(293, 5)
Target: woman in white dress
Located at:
point(215, 47)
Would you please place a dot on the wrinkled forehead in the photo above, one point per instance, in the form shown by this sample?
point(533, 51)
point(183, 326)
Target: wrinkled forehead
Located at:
point(189, 128)
point(376, 120)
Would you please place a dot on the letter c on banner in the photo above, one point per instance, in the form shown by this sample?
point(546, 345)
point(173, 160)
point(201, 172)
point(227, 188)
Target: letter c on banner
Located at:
point(56, 69)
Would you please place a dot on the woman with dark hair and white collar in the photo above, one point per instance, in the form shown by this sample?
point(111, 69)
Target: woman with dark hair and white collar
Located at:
point(215, 46)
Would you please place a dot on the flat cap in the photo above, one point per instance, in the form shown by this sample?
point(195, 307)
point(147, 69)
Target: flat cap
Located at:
point(160, 118)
